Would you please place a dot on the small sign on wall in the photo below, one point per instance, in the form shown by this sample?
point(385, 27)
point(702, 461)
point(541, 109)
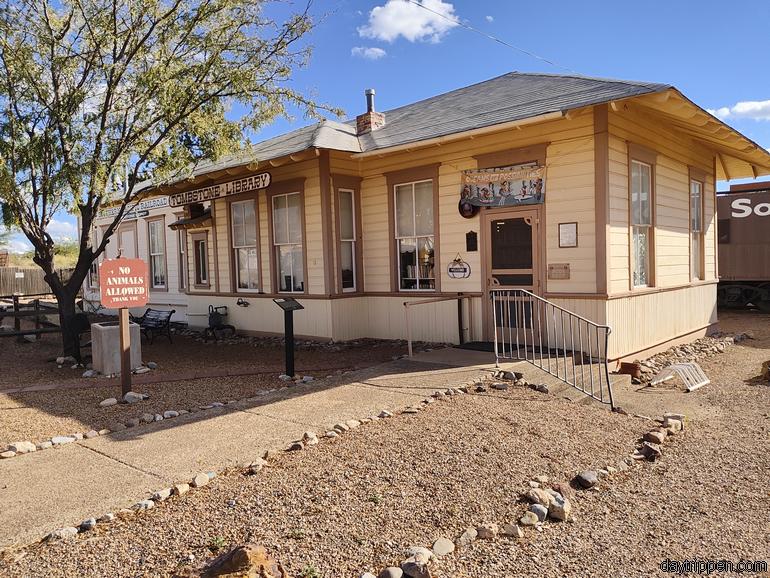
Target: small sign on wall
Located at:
point(559, 271)
point(568, 235)
point(459, 269)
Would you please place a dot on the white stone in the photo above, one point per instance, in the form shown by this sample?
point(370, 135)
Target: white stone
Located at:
point(133, 397)
point(310, 438)
point(158, 417)
point(61, 440)
point(44, 445)
point(91, 434)
point(162, 495)
point(88, 524)
point(140, 370)
point(443, 546)
point(144, 505)
point(560, 509)
point(200, 480)
point(63, 533)
point(169, 414)
point(77, 436)
point(108, 402)
point(488, 531)
point(385, 413)
point(22, 447)
point(467, 537)
point(106, 518)
point(7, 454)
point(181, 489)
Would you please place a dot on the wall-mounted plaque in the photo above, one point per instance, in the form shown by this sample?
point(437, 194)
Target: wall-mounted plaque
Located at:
point(568, 235)
point(458, 269)
point(471, 241)
point(558, 271)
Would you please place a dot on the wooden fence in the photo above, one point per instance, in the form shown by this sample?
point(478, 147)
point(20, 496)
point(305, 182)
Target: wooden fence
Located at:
point(26, 281)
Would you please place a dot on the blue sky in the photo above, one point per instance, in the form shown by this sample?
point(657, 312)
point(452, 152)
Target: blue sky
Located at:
point(715, 53)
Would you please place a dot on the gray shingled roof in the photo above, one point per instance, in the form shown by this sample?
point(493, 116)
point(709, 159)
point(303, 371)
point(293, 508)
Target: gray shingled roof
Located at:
point(510, 97)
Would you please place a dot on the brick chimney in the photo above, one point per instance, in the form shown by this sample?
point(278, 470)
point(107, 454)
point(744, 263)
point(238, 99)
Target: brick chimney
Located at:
point(370, 120)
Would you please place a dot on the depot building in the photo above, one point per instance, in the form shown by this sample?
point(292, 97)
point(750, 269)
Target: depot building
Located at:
point(597, 195)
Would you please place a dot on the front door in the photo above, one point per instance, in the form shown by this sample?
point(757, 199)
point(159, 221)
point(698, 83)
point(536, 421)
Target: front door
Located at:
point(511, 254)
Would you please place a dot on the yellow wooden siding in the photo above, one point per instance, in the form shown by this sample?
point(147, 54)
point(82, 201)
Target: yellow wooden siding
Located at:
point(265, 242)
point(569, 197)
point(619, 280)
point(223, 250)
point(264, 316)
point(453, 228)
point(648, 319)
point(675, 155)
point(672, 223)
point(710, 224)
point(385, 318)
point(376, 234)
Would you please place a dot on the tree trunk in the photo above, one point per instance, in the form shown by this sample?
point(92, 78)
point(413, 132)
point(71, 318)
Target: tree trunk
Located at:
point(66, 297)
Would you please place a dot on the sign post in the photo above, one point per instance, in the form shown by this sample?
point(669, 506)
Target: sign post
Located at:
point(289, 306)
point(123, 284)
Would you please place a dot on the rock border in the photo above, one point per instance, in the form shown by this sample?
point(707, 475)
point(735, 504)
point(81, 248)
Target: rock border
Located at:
point(547, 500)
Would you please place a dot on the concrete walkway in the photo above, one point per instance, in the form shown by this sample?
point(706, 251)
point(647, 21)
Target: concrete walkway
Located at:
point(42, 491)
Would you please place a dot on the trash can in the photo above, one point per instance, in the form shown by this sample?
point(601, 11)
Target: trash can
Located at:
point(105, 346)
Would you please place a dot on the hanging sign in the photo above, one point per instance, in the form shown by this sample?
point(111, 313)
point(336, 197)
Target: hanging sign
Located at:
point(244, 185)
point(123, 283)
point(506, 186)
point(140, 209)
point(458, 269)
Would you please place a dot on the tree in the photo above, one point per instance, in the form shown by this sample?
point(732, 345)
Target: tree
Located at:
point(98, 96)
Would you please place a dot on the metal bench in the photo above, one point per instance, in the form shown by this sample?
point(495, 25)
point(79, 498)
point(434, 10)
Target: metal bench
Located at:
point(155, 322)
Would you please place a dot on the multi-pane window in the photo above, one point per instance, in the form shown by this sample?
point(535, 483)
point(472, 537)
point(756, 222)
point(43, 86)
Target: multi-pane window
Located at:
point(157, 242)
point(641, 222)
point(696, 229)
point(182, 239)
point(287, 242)
point(414, 235)
point(244, 232)
point(201, 260)
point(347, 239)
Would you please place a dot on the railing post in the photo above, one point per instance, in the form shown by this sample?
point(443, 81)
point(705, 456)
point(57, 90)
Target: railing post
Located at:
point(460, 318)
point(37, 319)
point(17, 318)
point(408, 329)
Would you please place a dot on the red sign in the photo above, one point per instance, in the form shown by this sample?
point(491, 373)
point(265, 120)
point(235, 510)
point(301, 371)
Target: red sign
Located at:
point(123, 283)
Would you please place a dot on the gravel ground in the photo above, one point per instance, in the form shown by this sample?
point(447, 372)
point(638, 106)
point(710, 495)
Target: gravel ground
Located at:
point(38, 415)
point(33, 363)
point(357, 503)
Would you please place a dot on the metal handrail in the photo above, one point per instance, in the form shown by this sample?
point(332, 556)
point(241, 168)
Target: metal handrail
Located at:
point(530, 328)
point(459, 298)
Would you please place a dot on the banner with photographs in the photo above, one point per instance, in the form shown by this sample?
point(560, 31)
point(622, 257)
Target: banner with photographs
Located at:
point(507, 186)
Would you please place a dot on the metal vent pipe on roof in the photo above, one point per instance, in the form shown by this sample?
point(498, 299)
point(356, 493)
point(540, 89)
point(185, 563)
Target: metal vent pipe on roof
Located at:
point(369, 92)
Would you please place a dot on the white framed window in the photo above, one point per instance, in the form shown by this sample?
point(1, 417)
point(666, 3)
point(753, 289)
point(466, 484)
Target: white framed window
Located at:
point(641, 223)
point(93, 270)
point(157, 250)
point(696, 229)
point(347, 214)
point(414, 220)
point(182, 240)
point(243, 217)
point(287, 242)
point(201, 260)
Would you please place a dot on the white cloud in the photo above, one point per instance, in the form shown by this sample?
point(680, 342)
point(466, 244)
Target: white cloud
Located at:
point(489, 18)
point(62, 230)
point(415, 23)
point(749, 109)
point(18, 244)
point(368, 52)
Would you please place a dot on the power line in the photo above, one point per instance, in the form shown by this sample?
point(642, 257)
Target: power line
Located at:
point(491, 37)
